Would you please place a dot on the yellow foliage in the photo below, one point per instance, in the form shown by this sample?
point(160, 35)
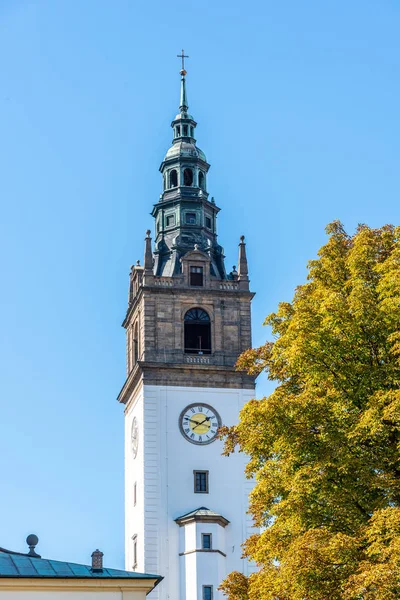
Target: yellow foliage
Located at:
point(324, 447)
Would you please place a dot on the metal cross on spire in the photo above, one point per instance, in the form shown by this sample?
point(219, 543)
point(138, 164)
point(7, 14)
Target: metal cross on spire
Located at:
point(183, 56)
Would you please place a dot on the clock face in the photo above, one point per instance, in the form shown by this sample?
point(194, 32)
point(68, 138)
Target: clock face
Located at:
point(135, 437)
point(199, 423)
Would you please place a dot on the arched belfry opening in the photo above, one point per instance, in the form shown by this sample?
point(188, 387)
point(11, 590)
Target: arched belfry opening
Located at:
point(197, 332)
point(188, 177)
point(202, 180)
point(173, 178)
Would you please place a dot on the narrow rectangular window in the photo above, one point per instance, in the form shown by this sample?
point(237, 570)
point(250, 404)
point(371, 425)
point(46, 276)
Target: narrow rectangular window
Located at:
point(190, 218)
point(134, 493)
point(200, 482)
point(206, 541)
point(170, 220)
point(134, 540)
point(196, 276)
point(207, 592)
point(208, 222)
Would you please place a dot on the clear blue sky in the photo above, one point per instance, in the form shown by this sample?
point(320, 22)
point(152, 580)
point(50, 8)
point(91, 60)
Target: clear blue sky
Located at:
point(298, 112)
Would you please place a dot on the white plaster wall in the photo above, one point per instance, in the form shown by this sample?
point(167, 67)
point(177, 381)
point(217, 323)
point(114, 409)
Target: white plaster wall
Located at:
point(164, 466)
point(134, 472)
point(190, 542)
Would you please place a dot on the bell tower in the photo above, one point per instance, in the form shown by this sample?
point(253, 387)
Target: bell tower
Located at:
point(186, 324)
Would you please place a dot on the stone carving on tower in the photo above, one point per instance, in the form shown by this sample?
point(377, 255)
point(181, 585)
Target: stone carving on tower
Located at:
point(187, 322)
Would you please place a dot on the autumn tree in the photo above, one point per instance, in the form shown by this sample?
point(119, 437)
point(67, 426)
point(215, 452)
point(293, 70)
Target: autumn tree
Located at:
point(324, 446)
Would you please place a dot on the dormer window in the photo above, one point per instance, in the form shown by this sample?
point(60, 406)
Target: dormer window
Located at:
point(208, 222)
point(196, 276)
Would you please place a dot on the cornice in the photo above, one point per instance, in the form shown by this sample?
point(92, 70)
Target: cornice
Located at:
point(219, 519)
point(187, 374)
point(64, 584)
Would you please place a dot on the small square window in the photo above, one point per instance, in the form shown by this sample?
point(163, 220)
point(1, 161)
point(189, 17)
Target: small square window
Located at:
point(196, 276)
point(190, 218)
point(206, 541)
point(200, 482)
point(170, 220)
point(207, 592)
point(208, 222)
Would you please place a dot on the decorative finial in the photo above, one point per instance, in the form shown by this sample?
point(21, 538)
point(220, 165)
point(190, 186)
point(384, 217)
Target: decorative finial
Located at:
point(243, 271)
point(148, 255)
point(183, 106)
point(138, 263)
point(32, 540)
point(196, 246)
point(234, 269)
point(182, 56)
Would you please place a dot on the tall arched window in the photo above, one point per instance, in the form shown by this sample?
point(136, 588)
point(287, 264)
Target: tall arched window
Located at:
point(197, 332)
point(202, 180)
point(188, 177)
point(173, 178)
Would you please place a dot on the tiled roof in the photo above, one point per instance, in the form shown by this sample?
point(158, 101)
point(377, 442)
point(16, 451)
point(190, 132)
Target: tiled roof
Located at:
point(13, 564)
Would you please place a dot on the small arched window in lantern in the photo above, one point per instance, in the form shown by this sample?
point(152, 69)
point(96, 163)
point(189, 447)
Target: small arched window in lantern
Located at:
point(202, 180)
point(178, 131)
point(185, 130)
point(188, 177)
point(197, 332)
point(173, 178)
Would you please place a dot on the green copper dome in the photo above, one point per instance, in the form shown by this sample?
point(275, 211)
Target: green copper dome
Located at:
point(185, 149)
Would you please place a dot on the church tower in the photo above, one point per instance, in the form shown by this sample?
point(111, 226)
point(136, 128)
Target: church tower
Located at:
point(186, 324)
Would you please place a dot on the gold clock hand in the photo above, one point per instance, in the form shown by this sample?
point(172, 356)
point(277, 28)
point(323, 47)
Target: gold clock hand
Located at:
point(201, 422)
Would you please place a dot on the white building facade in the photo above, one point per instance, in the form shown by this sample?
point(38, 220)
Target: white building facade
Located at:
point(187, 322)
